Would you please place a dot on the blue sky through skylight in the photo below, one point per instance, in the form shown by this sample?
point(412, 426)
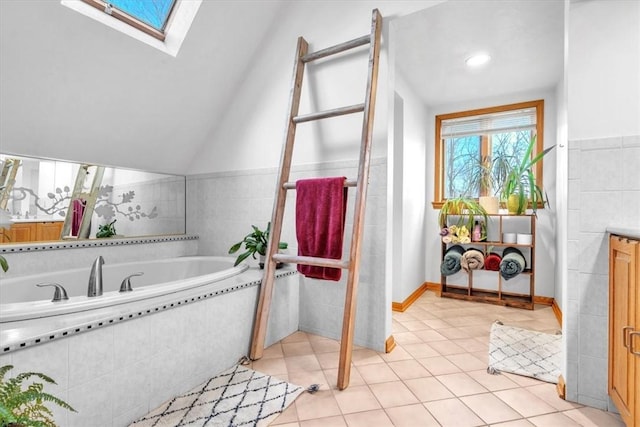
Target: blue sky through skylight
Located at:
point(152, 12)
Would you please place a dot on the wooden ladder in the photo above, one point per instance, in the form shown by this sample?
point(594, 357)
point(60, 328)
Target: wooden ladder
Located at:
point(353, 264)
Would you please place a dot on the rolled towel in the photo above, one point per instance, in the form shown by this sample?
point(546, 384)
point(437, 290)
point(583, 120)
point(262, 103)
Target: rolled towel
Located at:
point(451, 261)
point(492, 262)
point(472, 259)
point(512, 264)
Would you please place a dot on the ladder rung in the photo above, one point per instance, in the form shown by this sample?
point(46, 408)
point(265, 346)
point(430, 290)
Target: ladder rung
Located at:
point(309, 260)
point(292, 185)
point(337, 48)
point(329, 113)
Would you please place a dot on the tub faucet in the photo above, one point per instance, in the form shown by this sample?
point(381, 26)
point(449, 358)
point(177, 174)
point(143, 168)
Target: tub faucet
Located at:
point(95, 278)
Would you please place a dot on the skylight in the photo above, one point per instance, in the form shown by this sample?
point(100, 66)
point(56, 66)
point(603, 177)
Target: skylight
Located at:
point(152, 12)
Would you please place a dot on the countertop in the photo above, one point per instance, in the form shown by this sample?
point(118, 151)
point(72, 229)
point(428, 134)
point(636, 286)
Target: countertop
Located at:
point(22, 220)
point(632, 232)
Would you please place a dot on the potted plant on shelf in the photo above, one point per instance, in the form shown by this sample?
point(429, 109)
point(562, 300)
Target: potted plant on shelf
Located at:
point(255, 242)
point(520, 188)
point(488, 175)
point(27, 407)
point(466, 210)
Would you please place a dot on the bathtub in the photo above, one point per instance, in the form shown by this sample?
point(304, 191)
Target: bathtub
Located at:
point(22, 300)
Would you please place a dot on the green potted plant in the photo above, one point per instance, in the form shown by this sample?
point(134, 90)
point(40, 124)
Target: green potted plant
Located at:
point(520, 188)
point(255, 242)
point(466, 210)
point(487, 176)
point(26, 407)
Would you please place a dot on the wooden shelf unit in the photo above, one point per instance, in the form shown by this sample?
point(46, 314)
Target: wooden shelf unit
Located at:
point(498, 296)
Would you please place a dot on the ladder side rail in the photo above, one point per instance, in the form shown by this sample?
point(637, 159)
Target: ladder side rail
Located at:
point(337, 48)
point(348, 321)
point(268, 278)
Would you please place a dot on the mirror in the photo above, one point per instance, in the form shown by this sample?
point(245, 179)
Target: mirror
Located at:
point(52, 200)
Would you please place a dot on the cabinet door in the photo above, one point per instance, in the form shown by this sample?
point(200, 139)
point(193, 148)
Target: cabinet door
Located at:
point(25, 232)
point(622, 292)
point(48, 230)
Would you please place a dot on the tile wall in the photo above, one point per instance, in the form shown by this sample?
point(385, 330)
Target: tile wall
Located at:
point(222, 207)
point(604, 190)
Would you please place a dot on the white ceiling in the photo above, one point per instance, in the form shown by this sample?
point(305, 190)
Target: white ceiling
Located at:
point(524, 38)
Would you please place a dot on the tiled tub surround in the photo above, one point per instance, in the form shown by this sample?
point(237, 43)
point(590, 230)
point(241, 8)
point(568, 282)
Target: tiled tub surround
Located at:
point(610, 197)
point(222, 207)
point(115, 373)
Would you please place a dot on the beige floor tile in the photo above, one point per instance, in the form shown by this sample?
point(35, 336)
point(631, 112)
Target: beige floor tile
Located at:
point(365, 357)
point(398, 353)
point(454, 333)
point(428, 389)
point(270, 366)
point(394, 393)
point(523, 381)
point(421, 350)
point(402, 317)
point(300, 348)
point(490, 408)
point(446, 347)
point(317, 405)
point(428, 335)
point(461, 321)
point(356, 399)
point(332, 377)
point(306, 378)
point(421, 314)
point(409, 369)
point(295, 337)
point(482, 356)
point(516, 423)
point(589, 417)
point(438, 365)
point(302, 363)
point(548, 393)
point(437, 323)
point(461, 384)
point(289, 425)
point(406, 338)
point(368, 419)
point(397, 327)
point(289, 415)
point(325, 345)
point(414, 325)
point(480, 331)
point(411, 416)
point(466, 362)
point(328, 360)
point(337, 421)
point(377, 373)
point(454, 413)
point(492, 382)
point(472, 344)
point(557, 419)
point(525, 402)
point(272, 351)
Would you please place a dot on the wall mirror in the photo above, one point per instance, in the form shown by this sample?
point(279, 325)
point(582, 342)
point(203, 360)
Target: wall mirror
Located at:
point(45, 200)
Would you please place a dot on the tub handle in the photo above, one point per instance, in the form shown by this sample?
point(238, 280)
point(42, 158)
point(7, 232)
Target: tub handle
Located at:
point(125, 286)
point(59, 294)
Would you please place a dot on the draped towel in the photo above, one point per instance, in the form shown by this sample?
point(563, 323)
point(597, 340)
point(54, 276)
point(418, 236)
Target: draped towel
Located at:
point(321, 205)
point(512, 264)
point(472, 259)
point(492, 262)
point(451, 260)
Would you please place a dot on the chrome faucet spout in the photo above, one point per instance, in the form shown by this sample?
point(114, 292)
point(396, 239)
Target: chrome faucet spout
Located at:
point(95, 278)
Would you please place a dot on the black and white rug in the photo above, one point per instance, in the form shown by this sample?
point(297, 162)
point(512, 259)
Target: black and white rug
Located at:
point(236, 397)
point(524, 352)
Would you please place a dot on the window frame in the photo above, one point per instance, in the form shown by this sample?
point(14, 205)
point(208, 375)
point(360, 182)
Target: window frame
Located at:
point(439, 145)
point(131, 20)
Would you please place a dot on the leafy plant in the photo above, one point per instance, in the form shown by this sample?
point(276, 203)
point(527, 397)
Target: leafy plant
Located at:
point(26, 407)
point(4, 264)
point(107, 230)
point(487, 174)
point(521, 181)
point(465, 208)
point(254, 242)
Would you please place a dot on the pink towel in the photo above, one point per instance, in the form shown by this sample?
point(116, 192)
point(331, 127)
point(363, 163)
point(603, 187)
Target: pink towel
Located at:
point(321, 205)
point(77, 214)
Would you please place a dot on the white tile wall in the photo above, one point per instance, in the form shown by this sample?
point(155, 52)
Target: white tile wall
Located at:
point(604, 190)
point(222, 206)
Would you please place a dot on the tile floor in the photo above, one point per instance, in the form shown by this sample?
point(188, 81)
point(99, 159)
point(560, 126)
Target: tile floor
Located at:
point(436, 375)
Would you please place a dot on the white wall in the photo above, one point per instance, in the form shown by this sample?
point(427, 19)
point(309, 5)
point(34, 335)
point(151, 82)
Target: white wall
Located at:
point(604, 177)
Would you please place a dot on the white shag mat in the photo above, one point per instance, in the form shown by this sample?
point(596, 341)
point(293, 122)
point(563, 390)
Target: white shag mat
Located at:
point(524, 352)
point(236, 397)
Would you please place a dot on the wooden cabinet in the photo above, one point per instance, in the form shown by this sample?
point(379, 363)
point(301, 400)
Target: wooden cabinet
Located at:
point(624, 327)
point(475, 287)
point(22, 232)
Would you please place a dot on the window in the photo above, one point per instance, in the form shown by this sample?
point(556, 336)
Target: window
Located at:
point(148, 16)
point(486, 140)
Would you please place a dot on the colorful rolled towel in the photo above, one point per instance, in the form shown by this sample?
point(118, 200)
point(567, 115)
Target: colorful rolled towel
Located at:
point(492, 262)
point(451, 261)
point(472, 259)
point(512, 264)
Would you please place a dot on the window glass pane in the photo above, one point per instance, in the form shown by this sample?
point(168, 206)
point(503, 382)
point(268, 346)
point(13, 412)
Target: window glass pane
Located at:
point(507, 151)
point(152, 12)
point(461, 155)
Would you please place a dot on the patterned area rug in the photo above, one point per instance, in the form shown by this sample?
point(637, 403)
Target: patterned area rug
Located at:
point(236, 397)
point(524, 352)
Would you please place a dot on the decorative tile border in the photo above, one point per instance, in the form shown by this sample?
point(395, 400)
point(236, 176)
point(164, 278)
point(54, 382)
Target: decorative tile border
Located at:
point(95, 324)
point(77, 244)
